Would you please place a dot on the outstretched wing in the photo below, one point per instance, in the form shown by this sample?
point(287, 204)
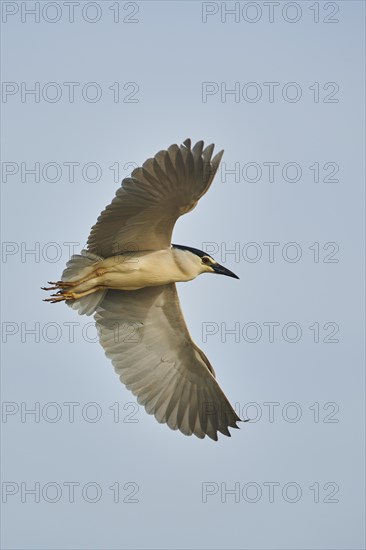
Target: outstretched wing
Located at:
point(146, 206)
point(145, 335)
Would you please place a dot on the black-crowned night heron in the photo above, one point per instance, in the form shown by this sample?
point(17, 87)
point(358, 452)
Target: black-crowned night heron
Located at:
point(127, 278)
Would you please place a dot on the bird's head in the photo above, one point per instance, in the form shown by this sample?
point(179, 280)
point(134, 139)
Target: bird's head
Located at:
point(201, 262)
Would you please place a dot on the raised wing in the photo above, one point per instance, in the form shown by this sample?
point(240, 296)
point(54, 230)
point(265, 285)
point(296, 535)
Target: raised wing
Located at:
point(146, 206)
point(145, 335)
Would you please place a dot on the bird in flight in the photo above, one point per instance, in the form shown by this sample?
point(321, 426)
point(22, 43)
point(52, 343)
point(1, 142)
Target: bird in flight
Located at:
point(127, 277)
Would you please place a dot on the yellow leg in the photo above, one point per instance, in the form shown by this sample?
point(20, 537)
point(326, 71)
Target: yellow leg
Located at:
point(69, 284)
point(67, 295)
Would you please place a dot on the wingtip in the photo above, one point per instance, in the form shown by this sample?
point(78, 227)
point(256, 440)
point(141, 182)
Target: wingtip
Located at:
point(217, 158)
point(213, 436)
point(207, 152)
point(197, 149)
point(199, 146)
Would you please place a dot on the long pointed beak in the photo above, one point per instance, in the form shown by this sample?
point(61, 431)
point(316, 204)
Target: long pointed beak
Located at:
point(221, 270)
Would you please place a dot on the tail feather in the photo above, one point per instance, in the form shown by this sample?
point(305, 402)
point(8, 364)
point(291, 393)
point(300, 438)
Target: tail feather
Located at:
point(76, 268)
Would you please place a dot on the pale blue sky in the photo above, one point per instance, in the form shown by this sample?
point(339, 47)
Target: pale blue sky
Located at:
point(168, 55)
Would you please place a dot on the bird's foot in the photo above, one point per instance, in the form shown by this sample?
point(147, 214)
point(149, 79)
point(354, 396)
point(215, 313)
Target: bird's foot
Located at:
point(60, 296)
point(67, 294)
point(58, 284)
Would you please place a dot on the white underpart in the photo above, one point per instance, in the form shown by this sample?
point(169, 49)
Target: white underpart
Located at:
point(143, 269)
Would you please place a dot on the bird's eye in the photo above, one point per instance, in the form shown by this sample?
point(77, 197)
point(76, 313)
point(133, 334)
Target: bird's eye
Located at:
point(206, 260)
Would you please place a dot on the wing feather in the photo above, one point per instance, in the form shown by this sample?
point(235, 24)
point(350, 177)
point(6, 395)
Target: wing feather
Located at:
point(171, 377)
point(146, 206)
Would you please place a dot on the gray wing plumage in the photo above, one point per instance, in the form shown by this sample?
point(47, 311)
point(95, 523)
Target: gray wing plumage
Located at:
point(146, 206)
point(145, 335)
